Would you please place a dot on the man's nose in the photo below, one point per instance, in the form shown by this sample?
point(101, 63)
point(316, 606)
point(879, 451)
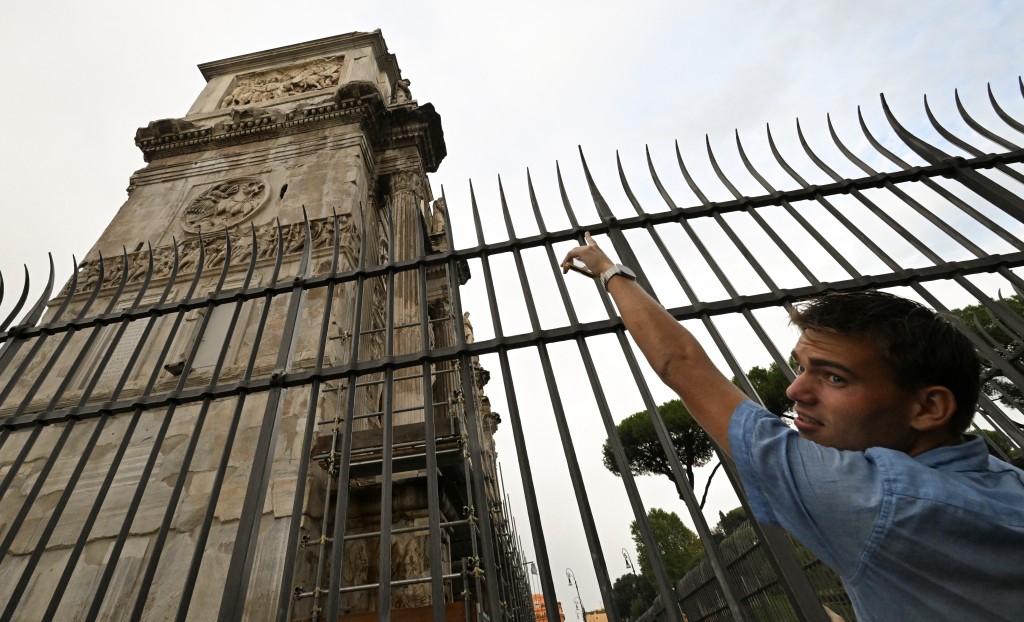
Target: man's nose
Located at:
point(798, 390)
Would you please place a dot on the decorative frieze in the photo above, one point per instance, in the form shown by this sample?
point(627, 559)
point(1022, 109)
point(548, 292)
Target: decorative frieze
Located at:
point(293, 240)
point(263, 86)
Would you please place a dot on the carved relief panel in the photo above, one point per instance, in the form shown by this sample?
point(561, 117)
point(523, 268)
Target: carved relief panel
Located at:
point(261, 86)
point(225, 205)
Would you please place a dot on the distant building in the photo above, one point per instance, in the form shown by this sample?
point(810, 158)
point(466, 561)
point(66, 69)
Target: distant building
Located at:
point(540, 612)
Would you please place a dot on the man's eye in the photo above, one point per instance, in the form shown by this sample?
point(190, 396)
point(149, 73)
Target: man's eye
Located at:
point(836, 379)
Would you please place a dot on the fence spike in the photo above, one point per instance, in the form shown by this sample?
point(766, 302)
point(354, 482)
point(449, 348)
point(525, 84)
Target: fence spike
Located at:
point(718, 170)
point(750, 167)
point(625, 186)
point(1014, 123)
point(604, 212)
point(689, 180)
point(18, 305)
point(846, 151)
point(977, 127)
point(657, 182)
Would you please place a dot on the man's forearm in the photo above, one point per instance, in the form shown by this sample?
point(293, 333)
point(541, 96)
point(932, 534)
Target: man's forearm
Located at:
point(678, 359)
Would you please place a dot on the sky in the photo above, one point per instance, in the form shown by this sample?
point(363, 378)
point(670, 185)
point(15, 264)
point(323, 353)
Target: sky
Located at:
point(519, 86)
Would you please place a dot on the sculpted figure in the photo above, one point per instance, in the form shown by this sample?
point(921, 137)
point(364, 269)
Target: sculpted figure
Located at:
point(437, 217)
point(348, 244)
point(163, 263)
point(266, 242)
point(139, 266)
point(468, 327)
point(402, 93)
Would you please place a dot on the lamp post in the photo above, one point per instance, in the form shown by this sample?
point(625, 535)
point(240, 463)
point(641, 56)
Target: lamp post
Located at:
point(629, 560)
point(569, 574)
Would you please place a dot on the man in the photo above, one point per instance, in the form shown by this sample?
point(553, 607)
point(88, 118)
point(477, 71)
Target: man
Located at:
point(878, 479)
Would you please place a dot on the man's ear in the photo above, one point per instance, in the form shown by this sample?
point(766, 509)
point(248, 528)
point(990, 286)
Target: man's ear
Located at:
point(936, 406)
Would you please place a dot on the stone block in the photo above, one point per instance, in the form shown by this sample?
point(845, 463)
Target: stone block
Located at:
point(41, 589)
point(194, 501)
point(209, 590)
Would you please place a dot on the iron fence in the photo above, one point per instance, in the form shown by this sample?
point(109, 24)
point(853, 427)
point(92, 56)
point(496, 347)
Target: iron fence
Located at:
point(193, 426)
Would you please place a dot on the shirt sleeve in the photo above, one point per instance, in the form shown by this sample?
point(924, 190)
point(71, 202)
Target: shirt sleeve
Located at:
point(831, 500)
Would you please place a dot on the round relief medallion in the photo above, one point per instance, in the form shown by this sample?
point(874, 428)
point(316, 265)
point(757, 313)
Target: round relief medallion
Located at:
point(225, 205)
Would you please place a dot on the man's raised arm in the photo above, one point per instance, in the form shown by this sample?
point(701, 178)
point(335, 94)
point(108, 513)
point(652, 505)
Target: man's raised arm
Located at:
point(671, 350)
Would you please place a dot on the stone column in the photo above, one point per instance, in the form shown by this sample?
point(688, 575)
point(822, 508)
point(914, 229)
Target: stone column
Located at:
point(406, 197)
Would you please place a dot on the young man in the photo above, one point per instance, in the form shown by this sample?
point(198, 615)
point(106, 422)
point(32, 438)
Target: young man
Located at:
point(878, 480)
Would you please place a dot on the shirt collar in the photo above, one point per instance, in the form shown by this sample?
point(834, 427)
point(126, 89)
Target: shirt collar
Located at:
point(970, 455)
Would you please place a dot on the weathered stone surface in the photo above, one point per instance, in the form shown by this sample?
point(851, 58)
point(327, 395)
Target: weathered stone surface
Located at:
point(41, 588)
point(239, 159)
point(210, 582)
point(11, 569)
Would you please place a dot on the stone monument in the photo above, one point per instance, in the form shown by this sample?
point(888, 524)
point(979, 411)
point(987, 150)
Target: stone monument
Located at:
point(173, 443)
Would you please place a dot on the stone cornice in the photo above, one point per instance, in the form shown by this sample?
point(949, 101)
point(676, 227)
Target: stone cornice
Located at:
point(418, 126)
point(303, 51)
point(353, 102)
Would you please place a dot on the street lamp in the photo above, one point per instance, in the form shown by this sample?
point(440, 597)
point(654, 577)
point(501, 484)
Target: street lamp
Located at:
point(569, 574)
point(629, 561)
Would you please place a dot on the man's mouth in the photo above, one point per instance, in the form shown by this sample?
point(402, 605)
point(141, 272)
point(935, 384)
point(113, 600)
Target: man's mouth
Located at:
point(805, 422)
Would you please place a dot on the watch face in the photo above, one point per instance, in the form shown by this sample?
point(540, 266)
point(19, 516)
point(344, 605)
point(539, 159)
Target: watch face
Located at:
point(627, 272)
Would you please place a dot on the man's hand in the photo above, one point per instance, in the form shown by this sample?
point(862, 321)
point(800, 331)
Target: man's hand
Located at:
point(674, 354)
point(595, 262)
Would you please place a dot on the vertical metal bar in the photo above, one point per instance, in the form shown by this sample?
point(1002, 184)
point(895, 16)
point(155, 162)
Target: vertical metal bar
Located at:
point(284, 597)
point(11, 346)
point(55, 355)
point(113, 556)
point(682, 483)
point(51, 524)
point(473, 429)
point(236, 584)
point(387, 437)
point(973, 180)
point(206, 524)
point(193, 442)
point(345, 463)
point(978, 217)
point(600, 566)
point(526, 471)
point(430, 442)
point(796, 584)
point(17, 305)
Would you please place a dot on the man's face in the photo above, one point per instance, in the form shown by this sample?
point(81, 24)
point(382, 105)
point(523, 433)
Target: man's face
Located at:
point(845, 395)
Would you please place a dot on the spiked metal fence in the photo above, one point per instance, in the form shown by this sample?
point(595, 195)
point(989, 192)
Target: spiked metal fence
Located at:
point(946, 231)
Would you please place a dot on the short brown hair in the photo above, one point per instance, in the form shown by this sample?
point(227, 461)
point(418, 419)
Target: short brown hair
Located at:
point(921, 347)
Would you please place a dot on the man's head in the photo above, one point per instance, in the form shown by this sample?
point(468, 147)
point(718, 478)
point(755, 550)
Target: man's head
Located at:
point(896, 339)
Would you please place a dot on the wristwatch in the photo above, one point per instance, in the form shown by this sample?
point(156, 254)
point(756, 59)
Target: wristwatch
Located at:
point(617, 269)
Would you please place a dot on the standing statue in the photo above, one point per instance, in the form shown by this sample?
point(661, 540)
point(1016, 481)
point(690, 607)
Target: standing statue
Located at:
point(402, 93)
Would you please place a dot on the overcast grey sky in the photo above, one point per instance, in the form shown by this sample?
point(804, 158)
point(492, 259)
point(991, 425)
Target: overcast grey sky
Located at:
point(517, 86)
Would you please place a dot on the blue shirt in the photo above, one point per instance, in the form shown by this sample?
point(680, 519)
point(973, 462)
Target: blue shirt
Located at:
point(938, 536)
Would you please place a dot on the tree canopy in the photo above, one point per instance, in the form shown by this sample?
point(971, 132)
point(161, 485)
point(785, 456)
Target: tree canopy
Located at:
point(643, 449)
point(632, 596)
point(680, 547)
point(771, 385)
point(728, 522)
point(981, 321)
point(692, 444)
